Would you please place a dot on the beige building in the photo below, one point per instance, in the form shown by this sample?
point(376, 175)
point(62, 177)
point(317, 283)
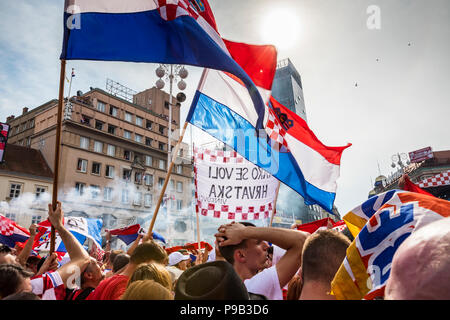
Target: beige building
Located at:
point(113, 157)
point(26, 183)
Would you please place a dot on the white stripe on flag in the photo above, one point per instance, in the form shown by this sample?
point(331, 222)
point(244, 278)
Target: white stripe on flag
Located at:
point(110, 6)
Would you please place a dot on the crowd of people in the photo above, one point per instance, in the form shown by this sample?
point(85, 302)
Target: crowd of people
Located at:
point(247, 263)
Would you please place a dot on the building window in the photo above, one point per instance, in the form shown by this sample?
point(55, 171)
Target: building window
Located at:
point(111, 129)
point(98, 146)
point(96, 167)
point(126, 174)
point(160, 182)
point(166, 104)
point(107, 194)
point(101, 106)
point(11, 216)
point(127, 134)
point(111, 150)
point(148, 161)
point(179, 204)
point(148, 200)
point(161, 146)
point(148, 125)
point(85, 120)
point(148, 141)
point(82, 165)
point(28, 142)
point(95, 192)
point(79, 187)
point(179, 169)
point(14, 190)
point(179, 186)
point(128, 117)
point(40, 190)
point(161, 129)
point(84, 143)
point(125, 196)
point(98, 125)
point(137, 201)
point(109, 173)
point(138, 177)
point(171, 184)
point(36, 219)
point(137, 138)
point(162, 164)
point(148, 179)
point(139, 121)
point(127, 154)
point(113, 111)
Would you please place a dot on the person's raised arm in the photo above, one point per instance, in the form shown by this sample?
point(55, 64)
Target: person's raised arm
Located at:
point(134, 244)
point(26, 251)
point(79, 257)
point(290, 240)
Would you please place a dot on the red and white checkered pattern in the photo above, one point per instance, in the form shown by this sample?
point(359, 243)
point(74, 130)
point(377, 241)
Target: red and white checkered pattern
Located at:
point(233, 212)
point(275, 131)
point(172, 9)
point(441, 179)
point(226, 211)
point(6, 227)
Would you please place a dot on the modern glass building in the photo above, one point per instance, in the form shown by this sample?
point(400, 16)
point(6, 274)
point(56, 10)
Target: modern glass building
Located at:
point(287, 89)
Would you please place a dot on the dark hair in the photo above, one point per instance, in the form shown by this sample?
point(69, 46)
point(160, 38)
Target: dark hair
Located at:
point(148, 251)
point(228, 251)
point(120, 261)
point(5, 249)
point(40, 263)
point(22, 296)
point(323, 253)
point(33, 260)
point(11, 277)
point(114, 254)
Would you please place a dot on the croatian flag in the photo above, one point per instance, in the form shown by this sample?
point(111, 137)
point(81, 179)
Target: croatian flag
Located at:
point(380, 225)
point(81, 228)
point(286, 147)
point(130, 233)
point(157, 31)
point(11, 232)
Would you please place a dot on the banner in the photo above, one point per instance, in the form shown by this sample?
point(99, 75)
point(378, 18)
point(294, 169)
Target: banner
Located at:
point(421, 155)
point(230, 187)
point(4, 131)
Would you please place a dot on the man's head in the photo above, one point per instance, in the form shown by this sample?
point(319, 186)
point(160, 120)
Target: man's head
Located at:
point(152, 271)
point(420, 266)
point(323, 253)
point(13, 279)
point(6, 255)
point(92, 275)
point(32, 263)
point(179, 260)
point(251, 253)
point(120, 261)
point(148, 251)
point(113, 254)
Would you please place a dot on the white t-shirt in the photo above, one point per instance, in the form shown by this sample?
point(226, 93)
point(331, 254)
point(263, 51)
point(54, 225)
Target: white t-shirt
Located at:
point(266, 283)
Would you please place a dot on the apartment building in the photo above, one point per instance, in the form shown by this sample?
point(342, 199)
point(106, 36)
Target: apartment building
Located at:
point(114, 154)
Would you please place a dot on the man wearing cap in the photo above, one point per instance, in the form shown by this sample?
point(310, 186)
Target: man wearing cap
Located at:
point(245, 247)
point(179, 260)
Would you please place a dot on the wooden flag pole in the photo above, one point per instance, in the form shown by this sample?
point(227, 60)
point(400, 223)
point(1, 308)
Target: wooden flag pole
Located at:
point(152, 223)
point(57, 148)
point(274, 209)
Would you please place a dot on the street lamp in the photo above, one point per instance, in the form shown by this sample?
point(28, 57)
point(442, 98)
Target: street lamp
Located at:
point(401, 160)
point(171, 73)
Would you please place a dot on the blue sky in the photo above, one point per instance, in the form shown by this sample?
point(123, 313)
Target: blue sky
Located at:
point(400, 103)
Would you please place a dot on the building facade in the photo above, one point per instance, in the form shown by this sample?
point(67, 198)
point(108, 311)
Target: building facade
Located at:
point(26, 183)
point(114, 156)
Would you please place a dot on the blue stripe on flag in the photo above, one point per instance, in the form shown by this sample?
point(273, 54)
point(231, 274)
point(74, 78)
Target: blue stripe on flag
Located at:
point(225, 125)
point(146, 37)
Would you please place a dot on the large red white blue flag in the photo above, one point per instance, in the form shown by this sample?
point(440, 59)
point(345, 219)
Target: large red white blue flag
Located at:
point(158, 31)
point(11, 232)
point(130, 233)
point(380, 225)
point(286, 147)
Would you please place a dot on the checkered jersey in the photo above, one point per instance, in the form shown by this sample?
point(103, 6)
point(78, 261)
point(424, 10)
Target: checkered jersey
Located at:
point(442, 179)
point(49, 286)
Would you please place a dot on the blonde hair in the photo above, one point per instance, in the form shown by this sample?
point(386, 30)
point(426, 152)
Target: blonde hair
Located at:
point(152, 271)
point(146, 290)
